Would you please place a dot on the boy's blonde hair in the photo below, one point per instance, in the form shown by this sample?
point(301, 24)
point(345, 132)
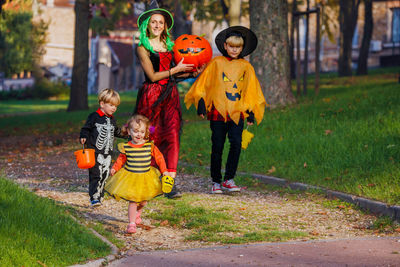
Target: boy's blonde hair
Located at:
point(139, 119)
point(109, 96)
point(234, 41)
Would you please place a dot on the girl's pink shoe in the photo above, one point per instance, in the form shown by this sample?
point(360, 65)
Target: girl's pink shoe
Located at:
point(131, 228)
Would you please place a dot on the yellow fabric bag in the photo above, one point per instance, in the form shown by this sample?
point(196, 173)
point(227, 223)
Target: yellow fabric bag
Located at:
point(246, 138)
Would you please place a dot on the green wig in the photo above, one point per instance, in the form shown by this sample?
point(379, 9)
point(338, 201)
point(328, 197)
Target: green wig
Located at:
point(144, 39)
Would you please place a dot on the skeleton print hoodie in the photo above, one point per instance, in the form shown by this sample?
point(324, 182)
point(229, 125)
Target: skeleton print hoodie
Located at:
point(99, 131)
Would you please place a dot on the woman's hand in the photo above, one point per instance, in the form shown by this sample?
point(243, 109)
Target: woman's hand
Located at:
point(181, 67)
point(199, 70)
point(112, 172)
point(83, 140)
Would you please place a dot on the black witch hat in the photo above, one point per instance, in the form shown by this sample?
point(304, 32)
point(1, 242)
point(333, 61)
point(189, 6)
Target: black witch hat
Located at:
point(154, 9)
point(249, 38)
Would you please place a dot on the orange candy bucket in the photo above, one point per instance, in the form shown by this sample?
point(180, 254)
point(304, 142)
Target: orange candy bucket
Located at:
point(85, 158)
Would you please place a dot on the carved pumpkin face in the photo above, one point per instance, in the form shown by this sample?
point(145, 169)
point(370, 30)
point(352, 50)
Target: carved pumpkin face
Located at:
point(194, 49)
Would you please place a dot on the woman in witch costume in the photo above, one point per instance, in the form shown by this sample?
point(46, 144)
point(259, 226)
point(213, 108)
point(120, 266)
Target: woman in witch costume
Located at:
point(158, 98)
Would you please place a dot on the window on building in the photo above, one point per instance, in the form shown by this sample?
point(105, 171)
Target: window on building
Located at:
point(396, 25)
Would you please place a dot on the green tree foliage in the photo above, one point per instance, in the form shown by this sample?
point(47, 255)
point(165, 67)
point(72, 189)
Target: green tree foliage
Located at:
point(209, 10)
point(106, 13)
point(21, 41)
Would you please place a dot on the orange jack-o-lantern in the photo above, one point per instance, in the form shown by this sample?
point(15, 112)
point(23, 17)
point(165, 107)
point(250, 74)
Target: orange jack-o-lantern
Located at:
point(194, 49)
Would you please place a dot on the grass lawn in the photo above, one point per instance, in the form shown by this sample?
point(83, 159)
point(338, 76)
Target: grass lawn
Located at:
point(35, 231)
point(213, 220)
point(345, 139)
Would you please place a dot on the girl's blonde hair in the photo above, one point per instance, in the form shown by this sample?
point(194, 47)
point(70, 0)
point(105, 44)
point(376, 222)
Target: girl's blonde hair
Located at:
point(109, 96)
point(138, 119)
point(234, 41)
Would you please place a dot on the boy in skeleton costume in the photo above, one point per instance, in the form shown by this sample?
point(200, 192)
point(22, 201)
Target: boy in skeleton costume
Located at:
point(98, 133)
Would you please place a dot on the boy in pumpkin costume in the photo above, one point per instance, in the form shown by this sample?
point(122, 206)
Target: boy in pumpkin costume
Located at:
point(229, 92)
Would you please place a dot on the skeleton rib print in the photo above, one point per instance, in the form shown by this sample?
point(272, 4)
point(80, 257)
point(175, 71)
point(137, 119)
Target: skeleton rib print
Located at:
point(105, 139)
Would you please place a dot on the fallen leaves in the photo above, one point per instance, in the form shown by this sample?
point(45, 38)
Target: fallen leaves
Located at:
point(314, 233)
point(272, 170)
point(164, 223)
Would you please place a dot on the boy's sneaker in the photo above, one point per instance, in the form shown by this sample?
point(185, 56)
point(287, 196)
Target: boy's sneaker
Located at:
point(216, 189)
point(230, 186)
point(95, 203)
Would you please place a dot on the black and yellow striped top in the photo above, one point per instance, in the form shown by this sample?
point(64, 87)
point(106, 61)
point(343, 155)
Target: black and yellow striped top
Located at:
point(138, 159)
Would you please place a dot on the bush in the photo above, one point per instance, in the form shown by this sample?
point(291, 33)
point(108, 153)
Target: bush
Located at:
point(43, 89)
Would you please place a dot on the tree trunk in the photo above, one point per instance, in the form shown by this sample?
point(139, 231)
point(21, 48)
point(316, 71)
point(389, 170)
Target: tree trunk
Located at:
point(348, 21)
point(79, 94)
point(268, 19)
point(234, 12)
point(362, 67)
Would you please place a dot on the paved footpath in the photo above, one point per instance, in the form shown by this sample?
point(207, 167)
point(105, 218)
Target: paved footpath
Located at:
point(345, 252)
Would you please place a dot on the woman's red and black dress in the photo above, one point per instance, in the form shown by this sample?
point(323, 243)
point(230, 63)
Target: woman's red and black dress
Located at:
point(159, 101)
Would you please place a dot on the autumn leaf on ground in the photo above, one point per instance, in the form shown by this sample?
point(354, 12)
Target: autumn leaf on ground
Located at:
point(145, 227)
point(273, 169)
point(164, 223)
point(305, 165)
point(371, 185)
point(397, 230)
point(313, 232)
point(327, 132)
point(326, 100)
point(341, 207)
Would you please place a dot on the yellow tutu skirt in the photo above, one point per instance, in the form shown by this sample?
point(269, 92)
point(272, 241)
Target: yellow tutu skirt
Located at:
point(136, 187)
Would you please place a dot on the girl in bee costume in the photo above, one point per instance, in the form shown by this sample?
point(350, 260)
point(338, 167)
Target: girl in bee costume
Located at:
point(133, 179)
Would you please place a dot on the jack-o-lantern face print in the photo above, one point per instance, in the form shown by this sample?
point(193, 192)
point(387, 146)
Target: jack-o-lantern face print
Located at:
point(233, 90)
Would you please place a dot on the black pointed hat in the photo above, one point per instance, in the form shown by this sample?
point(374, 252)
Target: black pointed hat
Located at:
point(249, 38)
point(154, 9)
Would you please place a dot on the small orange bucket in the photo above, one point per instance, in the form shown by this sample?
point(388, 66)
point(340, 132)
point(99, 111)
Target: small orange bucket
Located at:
point(85, 158)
